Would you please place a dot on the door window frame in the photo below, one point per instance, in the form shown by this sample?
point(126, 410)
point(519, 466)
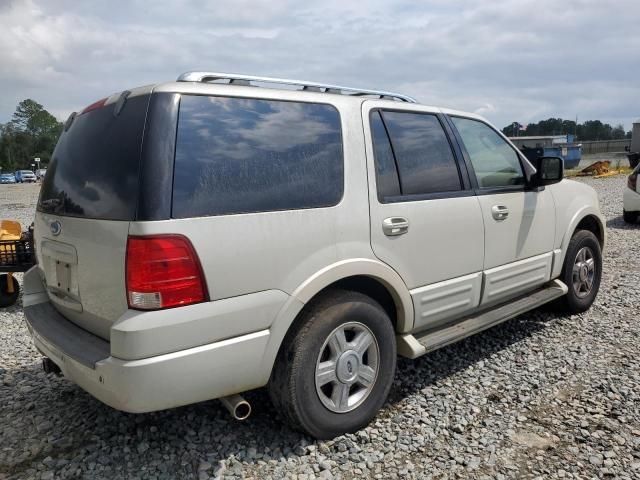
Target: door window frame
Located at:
point(467, 159)
point(466, 185)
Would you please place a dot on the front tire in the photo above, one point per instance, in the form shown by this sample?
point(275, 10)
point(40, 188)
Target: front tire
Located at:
point(629, 217)
point(336, 367)
point(581, 272)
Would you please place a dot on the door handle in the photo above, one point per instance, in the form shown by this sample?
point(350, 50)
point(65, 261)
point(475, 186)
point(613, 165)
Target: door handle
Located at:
point(499, 212)
point(393, 226)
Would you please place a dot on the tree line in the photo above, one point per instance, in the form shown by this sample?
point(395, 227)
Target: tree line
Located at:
point(589, 130)
point(31, 133)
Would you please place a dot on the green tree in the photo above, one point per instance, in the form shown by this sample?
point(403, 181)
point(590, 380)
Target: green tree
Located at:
point(618, 133)
point(32, 132)
point(589, 130)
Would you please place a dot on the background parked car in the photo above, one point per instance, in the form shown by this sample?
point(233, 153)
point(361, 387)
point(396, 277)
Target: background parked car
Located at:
point(40, 173)
point(25, 176)
point(7, 178)
point(631, 197)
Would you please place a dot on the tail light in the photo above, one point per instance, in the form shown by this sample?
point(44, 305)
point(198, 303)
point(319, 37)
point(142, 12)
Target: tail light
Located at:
point(163, 271)
point(632, 181)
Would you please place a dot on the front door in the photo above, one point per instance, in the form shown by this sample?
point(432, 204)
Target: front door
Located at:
point(519, 223)
point(426, 222)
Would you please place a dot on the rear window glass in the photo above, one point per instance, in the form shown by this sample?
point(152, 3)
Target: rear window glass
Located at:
point(238, 155)
point(94, 168)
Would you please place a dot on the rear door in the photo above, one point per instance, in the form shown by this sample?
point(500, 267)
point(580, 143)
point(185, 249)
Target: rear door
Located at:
point(426, 222)
point(519, 223)
point(87, 200)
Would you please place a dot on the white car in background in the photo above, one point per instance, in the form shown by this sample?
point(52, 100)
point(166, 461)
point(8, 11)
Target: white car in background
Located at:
point(631, 198)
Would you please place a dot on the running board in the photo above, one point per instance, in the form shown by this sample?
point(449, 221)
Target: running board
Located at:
point(413, 346)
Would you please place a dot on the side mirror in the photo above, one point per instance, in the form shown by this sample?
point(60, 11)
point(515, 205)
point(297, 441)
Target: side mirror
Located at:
point(549, 170)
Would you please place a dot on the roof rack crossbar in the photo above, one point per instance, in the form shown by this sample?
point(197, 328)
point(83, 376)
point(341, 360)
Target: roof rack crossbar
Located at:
point(236, 79)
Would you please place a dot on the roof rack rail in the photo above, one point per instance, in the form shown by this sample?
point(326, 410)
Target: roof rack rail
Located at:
point(236, 79)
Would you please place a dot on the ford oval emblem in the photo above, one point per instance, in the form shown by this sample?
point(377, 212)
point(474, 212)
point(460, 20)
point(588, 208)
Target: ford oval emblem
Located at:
point(56, 227)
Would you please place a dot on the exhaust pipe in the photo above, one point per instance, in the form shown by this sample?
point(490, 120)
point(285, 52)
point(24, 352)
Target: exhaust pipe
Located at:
point(238, 407)
point(49, 366)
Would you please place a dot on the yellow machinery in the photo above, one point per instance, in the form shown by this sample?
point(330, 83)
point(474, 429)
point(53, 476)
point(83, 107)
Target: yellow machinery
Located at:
point(16, 255)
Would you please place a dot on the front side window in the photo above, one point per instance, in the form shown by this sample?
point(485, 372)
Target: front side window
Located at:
point(494, 162)
point(241, 155)
point(422, 152)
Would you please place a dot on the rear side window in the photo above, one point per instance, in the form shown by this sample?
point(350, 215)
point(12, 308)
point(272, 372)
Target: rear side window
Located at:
point(238, 155)
point(425, 161)
point(94, 168)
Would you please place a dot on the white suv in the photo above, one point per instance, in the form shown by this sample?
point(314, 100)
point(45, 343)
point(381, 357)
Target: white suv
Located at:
point(201, 238)
point(631, 197)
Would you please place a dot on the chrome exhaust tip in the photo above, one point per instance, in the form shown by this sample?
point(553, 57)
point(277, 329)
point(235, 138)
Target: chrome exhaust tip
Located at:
point(238, 407)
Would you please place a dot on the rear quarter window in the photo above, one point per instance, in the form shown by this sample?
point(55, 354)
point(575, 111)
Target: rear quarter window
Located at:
point(238, 155)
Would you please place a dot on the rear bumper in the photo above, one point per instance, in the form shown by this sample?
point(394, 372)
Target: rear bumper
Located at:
point(631, 200)
point(154, 383)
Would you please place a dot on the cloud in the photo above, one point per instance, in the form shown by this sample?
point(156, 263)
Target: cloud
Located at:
point(507, 59)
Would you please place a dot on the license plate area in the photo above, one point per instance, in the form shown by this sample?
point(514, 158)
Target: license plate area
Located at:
point(63, 276)
point(60, 268)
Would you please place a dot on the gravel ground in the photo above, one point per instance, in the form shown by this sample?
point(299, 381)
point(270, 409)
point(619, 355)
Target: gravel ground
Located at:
point(541, 396)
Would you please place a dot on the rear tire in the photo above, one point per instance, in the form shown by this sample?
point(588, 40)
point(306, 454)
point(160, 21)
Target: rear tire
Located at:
point(629, 217)
point(581, 272)
point(335, 369)
point(7, 299)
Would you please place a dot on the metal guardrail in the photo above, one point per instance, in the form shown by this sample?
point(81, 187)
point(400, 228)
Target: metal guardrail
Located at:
point(605, 146)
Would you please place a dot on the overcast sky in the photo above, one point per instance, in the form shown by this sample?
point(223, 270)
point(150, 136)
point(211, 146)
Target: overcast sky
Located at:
point(508, 60)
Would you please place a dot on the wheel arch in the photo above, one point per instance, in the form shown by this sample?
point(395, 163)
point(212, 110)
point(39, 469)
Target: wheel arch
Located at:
point(371, 277)
point(587, 218)
point(594, 225)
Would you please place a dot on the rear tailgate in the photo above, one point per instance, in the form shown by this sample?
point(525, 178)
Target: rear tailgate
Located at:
point(83, 268)
point(87, 201)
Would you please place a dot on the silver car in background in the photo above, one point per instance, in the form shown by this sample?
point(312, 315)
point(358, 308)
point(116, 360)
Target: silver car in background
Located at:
point(25, 176)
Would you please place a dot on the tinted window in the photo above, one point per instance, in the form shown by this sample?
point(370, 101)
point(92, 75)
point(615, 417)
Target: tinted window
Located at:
point(494, 162)
point(237, 155)
point(425, 160)
point(94, 168)
point(386, 173)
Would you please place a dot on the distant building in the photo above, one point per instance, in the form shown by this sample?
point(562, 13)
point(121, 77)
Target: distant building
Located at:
point(552, 146)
